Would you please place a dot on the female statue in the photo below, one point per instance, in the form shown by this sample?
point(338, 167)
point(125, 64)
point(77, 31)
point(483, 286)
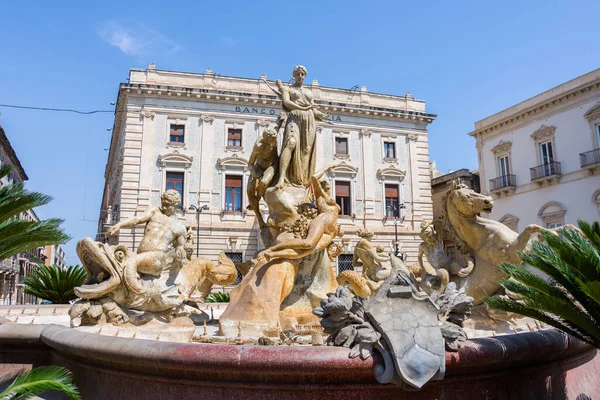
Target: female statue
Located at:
point(298, 155)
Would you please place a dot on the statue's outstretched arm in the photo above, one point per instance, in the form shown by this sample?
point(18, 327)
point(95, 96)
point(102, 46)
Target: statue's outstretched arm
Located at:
point(132, 222)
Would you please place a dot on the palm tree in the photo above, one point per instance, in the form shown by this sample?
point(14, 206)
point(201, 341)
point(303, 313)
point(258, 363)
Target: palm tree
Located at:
point(16, 235)
point(572, 302)
point(54, 283)
point(39, 380)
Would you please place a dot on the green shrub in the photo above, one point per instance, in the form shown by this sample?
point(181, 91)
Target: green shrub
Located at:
point(218, 297)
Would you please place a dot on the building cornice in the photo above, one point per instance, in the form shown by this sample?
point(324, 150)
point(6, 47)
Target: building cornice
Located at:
point(553, 98)
point(251, 99)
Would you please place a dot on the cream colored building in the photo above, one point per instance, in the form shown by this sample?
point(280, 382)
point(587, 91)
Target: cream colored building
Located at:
point(540, 159)
point(195, 132)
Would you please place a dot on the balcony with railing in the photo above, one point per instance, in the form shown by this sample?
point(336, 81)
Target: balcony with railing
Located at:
point(546, 173)
point(503, 185)
point(590, 159)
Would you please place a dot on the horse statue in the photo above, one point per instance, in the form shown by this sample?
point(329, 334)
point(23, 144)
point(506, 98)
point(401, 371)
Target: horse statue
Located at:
point(490, 242)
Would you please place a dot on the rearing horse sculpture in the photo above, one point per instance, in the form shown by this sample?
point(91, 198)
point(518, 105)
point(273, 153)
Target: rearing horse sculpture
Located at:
point(490, 242)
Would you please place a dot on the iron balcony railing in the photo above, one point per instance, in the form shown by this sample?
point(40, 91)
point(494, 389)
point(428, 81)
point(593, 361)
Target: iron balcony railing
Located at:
point(589, 158)
point(544, 170)
point(503, 181)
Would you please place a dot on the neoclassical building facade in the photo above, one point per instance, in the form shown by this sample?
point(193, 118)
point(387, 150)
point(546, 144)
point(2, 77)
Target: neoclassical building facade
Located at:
point(194, 133)
point(540, 159)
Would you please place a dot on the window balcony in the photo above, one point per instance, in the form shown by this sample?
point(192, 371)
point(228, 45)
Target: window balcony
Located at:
point(503, 185)
point(546, 173)
point(590, 159)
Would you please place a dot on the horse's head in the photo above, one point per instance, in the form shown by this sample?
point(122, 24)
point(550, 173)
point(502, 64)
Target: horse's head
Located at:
point(466, 201)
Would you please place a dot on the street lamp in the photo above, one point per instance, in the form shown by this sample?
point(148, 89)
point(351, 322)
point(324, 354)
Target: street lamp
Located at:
point(395, 209)
point(198, 211)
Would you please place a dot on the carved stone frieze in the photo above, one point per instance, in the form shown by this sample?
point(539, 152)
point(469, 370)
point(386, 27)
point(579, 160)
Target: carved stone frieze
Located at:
point(366, 132)
point(207, 118)
point(144, 113)
point(501, 147)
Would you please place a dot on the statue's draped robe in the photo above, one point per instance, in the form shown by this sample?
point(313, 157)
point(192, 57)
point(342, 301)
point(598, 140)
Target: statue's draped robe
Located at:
point(301, 127)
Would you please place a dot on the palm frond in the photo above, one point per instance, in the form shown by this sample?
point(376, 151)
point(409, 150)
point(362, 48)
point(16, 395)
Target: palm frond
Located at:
point(5, 170)
point(592, 232)
point(572, 260)
point(32, 234)
point(40, 380)
point(16, 235)
point(21, 200)
point(518, 308)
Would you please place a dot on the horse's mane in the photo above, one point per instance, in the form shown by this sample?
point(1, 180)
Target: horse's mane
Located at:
point(447, 225)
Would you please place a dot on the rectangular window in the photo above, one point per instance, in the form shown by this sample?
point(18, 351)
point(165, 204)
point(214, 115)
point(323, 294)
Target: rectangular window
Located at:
point(503, 171)
point(345, 263)
point(389, 150)
point(392, 202)
point(177, 133)
point(342, 196)
point(234, 137)
point(598, 136)
point(237, 259)
point(547, 158)
point(175, 182)
point(546, 154)
point(341, 145)
point(451, 252)
point(233, 193)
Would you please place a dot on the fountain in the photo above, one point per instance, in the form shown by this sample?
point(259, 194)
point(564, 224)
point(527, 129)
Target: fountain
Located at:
point(139, 330)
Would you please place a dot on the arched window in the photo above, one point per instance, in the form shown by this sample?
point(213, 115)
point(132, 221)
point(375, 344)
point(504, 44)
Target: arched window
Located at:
point(552, 215)
point(511, 221)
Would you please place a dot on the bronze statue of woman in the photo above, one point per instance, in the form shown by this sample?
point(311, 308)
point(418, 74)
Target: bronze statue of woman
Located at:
point(298, 154)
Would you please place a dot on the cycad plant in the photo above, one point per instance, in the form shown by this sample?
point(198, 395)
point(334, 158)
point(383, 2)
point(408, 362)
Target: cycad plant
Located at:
point(571, 302)
point(54, 283)
point(218, 297)
point(17, 236)
point(39, 380)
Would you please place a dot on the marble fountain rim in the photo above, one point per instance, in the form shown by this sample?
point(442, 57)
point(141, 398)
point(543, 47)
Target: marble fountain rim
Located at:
point(322, 364)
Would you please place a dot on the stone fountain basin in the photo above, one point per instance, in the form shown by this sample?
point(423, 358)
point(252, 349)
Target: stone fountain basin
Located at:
point(543, 364)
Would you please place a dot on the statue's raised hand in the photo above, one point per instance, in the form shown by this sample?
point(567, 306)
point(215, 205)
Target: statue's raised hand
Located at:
point(113, 230)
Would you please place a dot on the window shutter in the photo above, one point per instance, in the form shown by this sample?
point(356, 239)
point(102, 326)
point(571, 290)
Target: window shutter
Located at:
point(177, 130)
point(342, 189)
point(234, 134)
point(233, 181)
point(341, 146)
point(391, 191)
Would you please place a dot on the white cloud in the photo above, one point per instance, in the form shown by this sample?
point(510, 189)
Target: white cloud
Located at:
point(228, 40)
point(136, 39)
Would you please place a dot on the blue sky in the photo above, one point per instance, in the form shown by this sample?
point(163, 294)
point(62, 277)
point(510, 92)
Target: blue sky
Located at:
point(468, 60)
